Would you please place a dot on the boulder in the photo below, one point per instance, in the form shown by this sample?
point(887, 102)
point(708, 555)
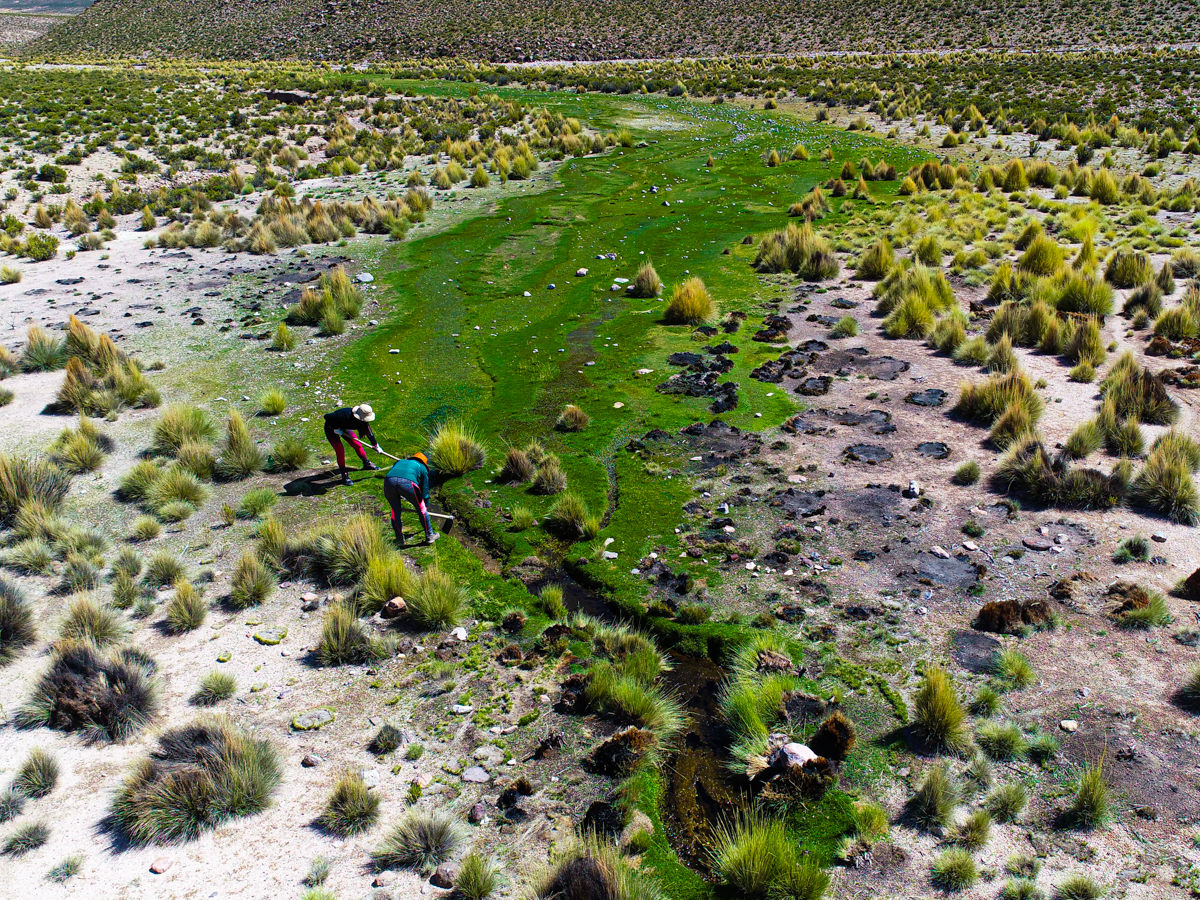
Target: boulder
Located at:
point(444, 875)
point(394, 608)
point(1191, 587)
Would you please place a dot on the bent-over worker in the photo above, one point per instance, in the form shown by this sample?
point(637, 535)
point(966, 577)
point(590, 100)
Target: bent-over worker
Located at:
point(408, 480)
point(351, 423)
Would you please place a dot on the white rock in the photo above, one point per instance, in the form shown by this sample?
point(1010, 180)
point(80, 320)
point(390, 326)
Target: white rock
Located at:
point(579, 273)
point(365, 277)
point(1070, 726)
point(939, 552)
point(970, 545)
point(459, 633)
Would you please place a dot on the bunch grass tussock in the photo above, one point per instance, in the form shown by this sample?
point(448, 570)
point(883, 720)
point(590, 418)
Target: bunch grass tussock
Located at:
point(591, 867)
point(103, 696)
point(345, 639)
point(455, 449)
point(197, 777)
point(17, 628)
point(753, 858)
point(939, 720)
point(352, 807)
point(690, 303)
point(421, 841)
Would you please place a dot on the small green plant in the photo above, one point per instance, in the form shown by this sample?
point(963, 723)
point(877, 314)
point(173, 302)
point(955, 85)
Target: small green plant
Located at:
point(1007, 801)
point(845, 327)
point(1079, 887)
point(1013, 669)
point(87, 620)
point(1091, 806)
point(186, 611)
point(214, 687)
point(974, 831)
point(966, 474)
point(38, 774)
point(478, 876)
point(67, 869)
point(352, 807)
point(272, 403)
point(26, 838)
point(256, 502)
point(938, 718)
point(934, 801)
point(422, 840)
point(955, 870)
point(1132, 549)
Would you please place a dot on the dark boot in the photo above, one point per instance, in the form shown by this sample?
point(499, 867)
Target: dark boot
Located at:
point(346, 479)
point(369, 466)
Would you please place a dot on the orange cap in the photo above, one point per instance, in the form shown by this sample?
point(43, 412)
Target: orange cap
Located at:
point(421, 457)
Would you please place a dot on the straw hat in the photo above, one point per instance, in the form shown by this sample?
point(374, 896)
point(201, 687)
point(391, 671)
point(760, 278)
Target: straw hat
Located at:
point(364, 413)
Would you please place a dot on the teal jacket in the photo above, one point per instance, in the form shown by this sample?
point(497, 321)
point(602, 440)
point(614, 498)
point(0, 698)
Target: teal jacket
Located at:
point(412, 470)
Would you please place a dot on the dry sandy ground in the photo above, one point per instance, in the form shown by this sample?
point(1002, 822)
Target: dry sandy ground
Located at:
point(148, 300)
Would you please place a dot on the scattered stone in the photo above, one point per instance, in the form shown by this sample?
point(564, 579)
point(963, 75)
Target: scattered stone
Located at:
point(462, 709)
point(310, 760)
point(933, 449)
point(272, 635)
point(929, 397)
point(871, 454)
point(580, 272)
point(1037, 544)
point(393, 608)
point(973, 651)
point(913, 491)
point(459, 633)
point(476, 775)
point(444, 875)
point(1070, 726)
point(313, 719)
point(1158, 537)
point(160, 865)
point(939, 552)
point(477, 814)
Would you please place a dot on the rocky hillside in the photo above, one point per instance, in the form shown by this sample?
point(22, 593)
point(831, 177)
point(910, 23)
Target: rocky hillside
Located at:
point(607, 29)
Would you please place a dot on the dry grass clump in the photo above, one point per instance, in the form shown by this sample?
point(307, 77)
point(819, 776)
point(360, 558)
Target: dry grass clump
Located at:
point(24, 481)
point(186, 611)
point(346, 640)
point(1091, 806)
point(87, 620)
point(240, 457)
point(939, 720)
point(181, 424)
point(26, 838)
point(595, 868)
point(335, 299)
point(387, 576)
point(1086, 344)
point(340, 553)
point(798, 249)
point(352, 807)
point(518, 467)
point(455, 449)
point(572, 418)
point(163, 568)
point(198, 777)
point(985, 402)
point(910, 297)
point(570, 518)
point(253, 582)
point(422, 840)
point(690, 304)
point(646, 283)
point(81, 449)
point(549, 477)
point(1007, 801)
point(289, 455)
point(42, 352)
point(955, 870)
point(1165, 484)
point(876, 261)
point(1129, 268)
point(17, 630)
point(1138, 394)
point(1028, 468)
point(106, 697)
point(437, 600)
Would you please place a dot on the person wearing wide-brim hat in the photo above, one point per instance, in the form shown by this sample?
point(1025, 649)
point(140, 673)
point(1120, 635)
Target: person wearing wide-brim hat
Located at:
point(351, 423)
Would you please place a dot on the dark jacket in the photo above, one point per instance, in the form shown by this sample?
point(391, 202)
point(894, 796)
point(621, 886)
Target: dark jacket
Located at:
point(344, 420)
point(412, 470)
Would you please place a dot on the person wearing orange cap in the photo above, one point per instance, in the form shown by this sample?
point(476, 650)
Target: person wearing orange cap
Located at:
point(408, 480)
